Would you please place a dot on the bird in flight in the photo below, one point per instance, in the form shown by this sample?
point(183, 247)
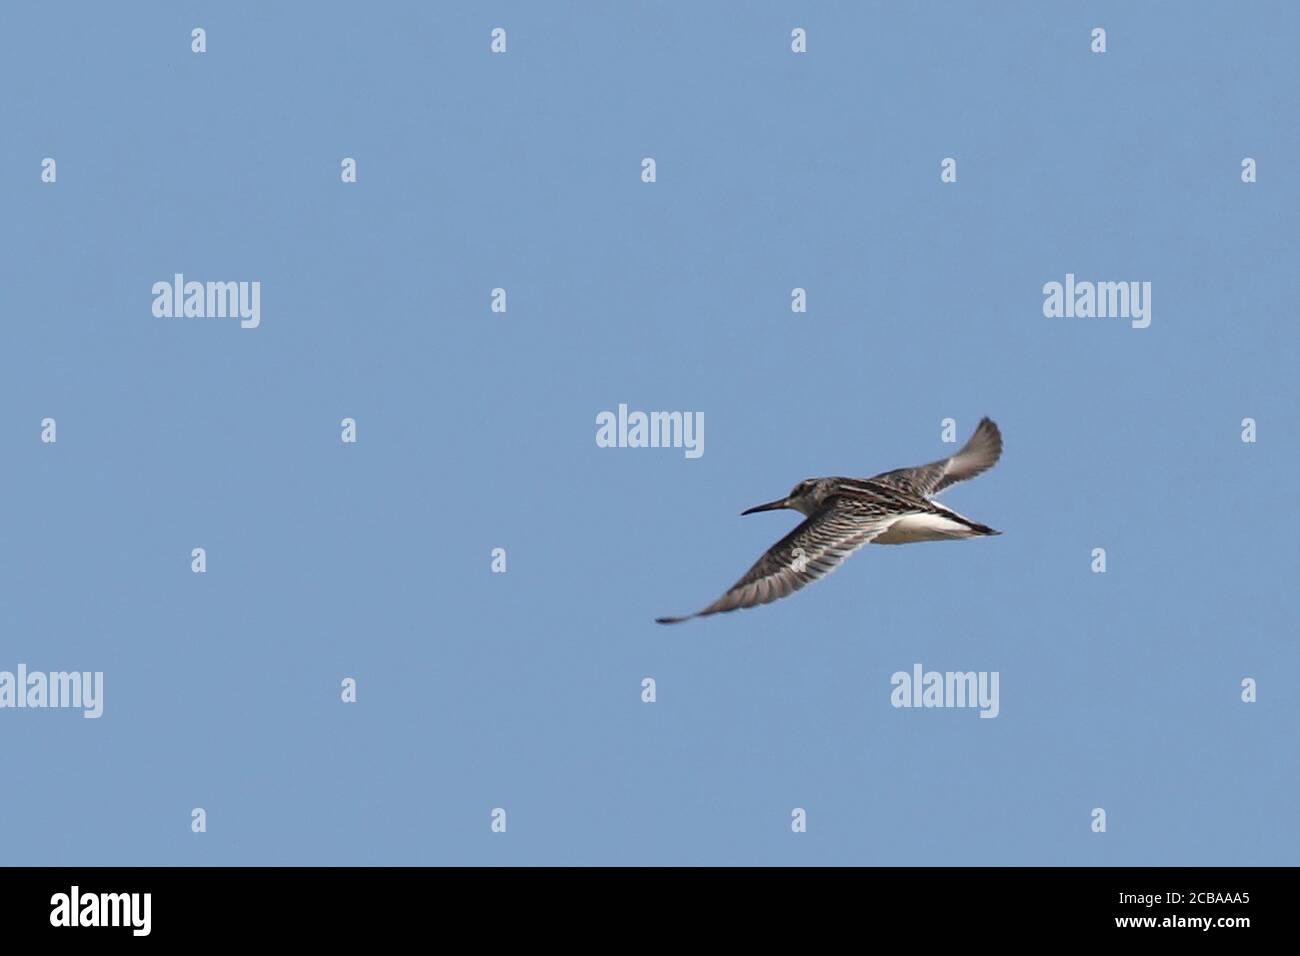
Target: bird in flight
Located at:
point(843, 514)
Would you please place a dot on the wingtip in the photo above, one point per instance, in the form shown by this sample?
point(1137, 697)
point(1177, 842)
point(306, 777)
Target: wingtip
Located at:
point(671, 620)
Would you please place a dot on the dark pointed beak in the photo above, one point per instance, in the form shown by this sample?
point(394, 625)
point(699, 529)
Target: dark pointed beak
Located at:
point(770, 506)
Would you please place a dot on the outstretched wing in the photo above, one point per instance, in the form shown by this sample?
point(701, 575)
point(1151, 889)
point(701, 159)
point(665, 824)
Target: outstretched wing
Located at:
point(976, 457)
point(812, 550)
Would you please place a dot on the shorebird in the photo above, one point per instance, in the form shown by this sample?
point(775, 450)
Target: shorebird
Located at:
point(843, 514)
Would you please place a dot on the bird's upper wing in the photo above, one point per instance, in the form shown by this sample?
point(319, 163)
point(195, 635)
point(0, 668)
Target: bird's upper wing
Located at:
point(812, 550)
point(976, 457)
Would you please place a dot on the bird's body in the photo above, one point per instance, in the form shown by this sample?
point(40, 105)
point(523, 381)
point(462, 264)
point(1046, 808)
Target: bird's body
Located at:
point(843, 514)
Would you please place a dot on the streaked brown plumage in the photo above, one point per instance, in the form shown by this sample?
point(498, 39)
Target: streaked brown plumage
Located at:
point(843, 514)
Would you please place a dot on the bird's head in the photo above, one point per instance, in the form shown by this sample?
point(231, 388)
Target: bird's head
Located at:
point(804, 497)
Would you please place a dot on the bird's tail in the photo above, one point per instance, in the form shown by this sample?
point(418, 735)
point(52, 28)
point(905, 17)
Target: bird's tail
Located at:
point(974, 527)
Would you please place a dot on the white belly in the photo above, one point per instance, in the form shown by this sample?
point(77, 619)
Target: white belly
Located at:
point(924, 527)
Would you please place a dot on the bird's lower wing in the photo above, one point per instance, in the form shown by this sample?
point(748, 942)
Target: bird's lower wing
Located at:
point(812, 550)
point(976, 457)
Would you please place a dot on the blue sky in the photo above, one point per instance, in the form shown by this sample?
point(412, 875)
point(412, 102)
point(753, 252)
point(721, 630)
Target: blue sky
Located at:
point(476, 430)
